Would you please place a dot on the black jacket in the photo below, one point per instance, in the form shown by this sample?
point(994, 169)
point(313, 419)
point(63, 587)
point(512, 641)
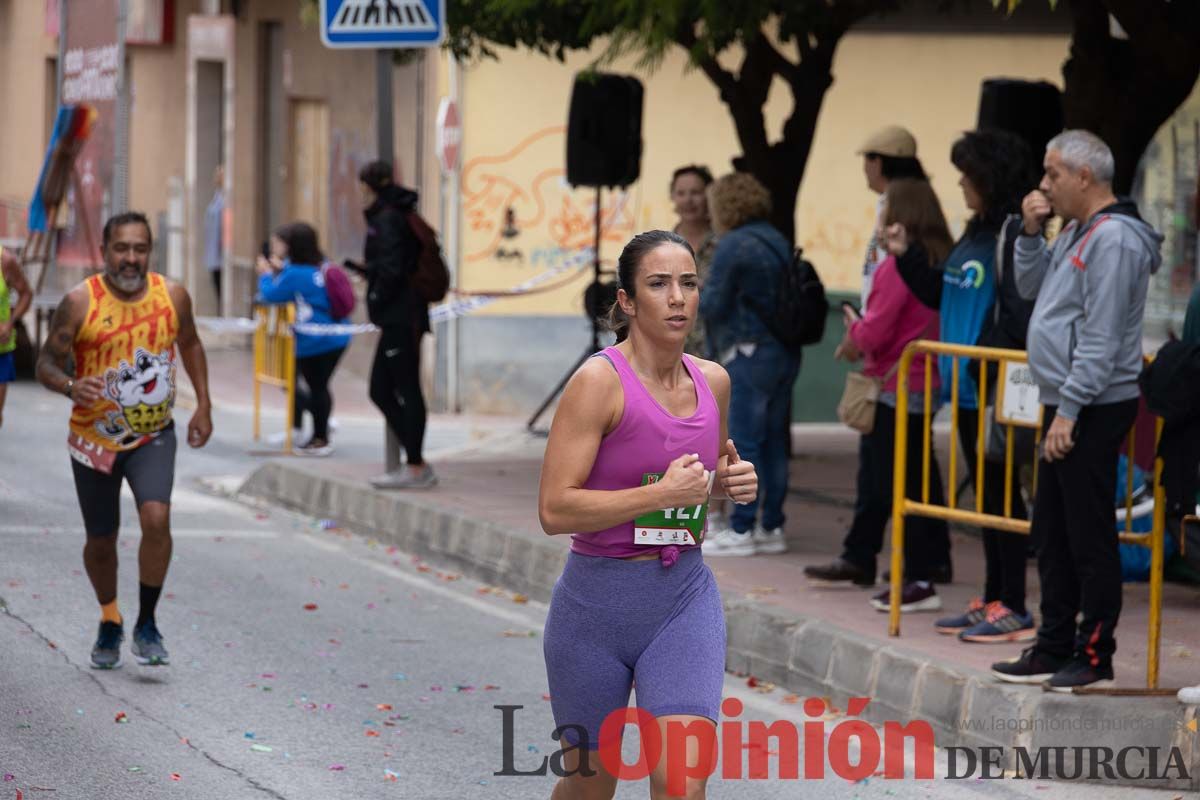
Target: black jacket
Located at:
point(390, 256)
point(1007, 324)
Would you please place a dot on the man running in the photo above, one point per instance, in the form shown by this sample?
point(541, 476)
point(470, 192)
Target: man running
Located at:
point(123, 328)
point(12, 279)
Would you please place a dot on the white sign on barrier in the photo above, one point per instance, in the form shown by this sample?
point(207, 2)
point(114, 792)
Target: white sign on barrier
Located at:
point(1017, 401)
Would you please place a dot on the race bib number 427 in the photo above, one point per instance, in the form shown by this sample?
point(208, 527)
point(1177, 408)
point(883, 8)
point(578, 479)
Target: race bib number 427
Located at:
point(678, 526)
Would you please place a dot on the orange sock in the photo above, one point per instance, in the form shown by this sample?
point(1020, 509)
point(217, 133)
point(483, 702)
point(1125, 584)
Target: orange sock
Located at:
point(109, 613)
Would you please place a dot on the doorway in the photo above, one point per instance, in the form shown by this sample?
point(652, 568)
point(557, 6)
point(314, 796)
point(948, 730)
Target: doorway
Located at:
point(309, 165)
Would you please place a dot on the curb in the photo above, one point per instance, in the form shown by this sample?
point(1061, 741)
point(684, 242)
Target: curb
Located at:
point(965, 708)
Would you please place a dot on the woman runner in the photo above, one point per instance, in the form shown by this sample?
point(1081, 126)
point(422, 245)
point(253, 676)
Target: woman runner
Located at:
point(629, 471)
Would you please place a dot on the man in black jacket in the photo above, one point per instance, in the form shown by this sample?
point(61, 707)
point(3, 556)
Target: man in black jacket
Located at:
point(390, 255)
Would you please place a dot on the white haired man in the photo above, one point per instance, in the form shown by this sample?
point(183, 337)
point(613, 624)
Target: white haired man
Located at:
point(1085, 353)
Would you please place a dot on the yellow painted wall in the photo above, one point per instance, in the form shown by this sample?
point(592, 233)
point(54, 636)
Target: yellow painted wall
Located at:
point(515, 140)
point(24, 49)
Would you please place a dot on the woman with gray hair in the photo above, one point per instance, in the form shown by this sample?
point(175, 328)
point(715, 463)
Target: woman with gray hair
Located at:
point(742, 286)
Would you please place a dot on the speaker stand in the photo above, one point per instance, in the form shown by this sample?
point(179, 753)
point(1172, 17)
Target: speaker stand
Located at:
point(590, 351)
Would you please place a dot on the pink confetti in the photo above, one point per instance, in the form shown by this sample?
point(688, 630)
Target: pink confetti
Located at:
point(337, 767)
point(175, 776)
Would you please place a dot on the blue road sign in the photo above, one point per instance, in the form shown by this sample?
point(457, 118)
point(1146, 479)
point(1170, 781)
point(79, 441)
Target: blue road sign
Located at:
point(383, 23)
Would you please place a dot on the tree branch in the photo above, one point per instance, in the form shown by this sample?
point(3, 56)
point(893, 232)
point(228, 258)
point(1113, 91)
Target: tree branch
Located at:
point(724, 80)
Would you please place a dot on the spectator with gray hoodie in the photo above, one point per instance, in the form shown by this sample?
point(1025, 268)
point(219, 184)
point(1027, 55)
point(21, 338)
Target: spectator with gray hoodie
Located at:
point(1085, 353)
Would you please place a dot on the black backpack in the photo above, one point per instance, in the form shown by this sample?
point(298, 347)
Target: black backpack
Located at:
point(798, 319)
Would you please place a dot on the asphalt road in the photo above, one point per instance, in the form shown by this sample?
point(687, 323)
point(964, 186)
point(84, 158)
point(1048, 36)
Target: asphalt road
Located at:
point(306, 662)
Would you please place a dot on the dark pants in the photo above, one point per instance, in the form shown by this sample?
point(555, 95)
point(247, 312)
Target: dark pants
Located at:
point(760, 426)
point(216, 279)
point(396, 388)
point(926, 541)
point(1003, 552)
point(1079, 562)
point(316, 398)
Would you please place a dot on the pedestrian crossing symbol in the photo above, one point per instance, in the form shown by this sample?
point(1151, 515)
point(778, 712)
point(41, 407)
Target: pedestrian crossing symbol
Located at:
point(383, 23)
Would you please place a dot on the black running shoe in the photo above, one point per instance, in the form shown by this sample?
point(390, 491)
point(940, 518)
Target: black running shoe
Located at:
point(148, 647)
point(1032, 666)
point(1079, 672)
point(106, 654)
point(840, 570)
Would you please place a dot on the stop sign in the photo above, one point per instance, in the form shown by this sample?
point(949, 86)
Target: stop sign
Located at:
point(449, 135)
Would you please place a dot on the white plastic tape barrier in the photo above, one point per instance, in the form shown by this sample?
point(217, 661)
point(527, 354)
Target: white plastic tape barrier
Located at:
point(439, 313)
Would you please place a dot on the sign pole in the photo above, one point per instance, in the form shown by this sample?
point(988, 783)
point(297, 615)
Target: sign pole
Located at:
point(385, 147)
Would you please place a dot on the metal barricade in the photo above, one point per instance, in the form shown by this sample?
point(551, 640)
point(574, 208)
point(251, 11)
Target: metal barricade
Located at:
point(903, 507)
point(275, 362)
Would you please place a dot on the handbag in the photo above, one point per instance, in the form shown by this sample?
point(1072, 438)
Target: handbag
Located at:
point(860, 396)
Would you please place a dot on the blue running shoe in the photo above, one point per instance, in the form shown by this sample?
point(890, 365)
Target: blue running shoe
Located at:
point(106, 654)
point(148, 647)
point(1001, 625)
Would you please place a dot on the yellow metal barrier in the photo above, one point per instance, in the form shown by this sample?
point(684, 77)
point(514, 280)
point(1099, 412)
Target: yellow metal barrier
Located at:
point(275, 362)
point(903, 507)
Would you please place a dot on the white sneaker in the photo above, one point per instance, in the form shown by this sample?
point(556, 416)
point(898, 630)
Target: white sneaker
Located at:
point(728, 542)
point(1189, 695)
point(770, 542)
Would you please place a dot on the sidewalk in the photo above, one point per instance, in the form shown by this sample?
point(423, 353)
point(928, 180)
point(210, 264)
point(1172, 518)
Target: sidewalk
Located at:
point(822, 640)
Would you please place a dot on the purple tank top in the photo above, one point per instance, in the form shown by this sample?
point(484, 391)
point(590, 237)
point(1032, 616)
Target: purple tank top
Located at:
point(646, 440)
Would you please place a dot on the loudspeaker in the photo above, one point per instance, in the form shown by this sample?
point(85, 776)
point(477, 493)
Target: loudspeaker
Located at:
point(604, 130)
point(1030, 110)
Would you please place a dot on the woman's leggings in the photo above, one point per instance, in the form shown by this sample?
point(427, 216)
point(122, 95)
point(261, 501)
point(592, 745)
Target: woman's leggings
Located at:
point(614, 622)
point(396, 388)
point(316, 399)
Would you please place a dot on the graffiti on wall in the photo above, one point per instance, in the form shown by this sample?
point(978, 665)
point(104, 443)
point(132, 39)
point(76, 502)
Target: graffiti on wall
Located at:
point(519, 211)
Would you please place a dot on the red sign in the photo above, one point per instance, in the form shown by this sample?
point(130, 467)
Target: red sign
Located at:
point(449, 135)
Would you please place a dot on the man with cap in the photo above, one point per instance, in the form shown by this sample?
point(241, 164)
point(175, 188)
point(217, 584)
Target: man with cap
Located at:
point(889, 153)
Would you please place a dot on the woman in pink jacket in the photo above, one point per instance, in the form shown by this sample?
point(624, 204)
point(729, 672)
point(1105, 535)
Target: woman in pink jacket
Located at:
point(894, 318)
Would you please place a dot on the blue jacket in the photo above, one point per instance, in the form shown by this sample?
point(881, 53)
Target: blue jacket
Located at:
point(747, 265)
point(303, 285)
point(968, 291)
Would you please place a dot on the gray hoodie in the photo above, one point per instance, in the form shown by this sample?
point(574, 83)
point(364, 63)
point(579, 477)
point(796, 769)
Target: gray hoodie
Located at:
point(1085, 337)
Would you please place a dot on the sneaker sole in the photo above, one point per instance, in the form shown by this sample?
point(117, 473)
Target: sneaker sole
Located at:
point(117, 665)
point(152, 662)
point(949, 631)
point(1102, 684)
point(771, 549)
point(1027, 680)
point(1001, 638)
point(929, 604)
point(732, 551)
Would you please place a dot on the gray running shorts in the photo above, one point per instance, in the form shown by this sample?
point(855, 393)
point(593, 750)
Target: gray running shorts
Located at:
point(150, 470)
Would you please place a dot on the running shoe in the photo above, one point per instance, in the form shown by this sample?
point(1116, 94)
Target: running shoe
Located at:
point(915, 596)
point(1189, 695)
point(315, 448)
point(1032, 666)
point(1078, 672)
point(148, 647)
point(728, 542)
point(106, 654)
point(1001, 625)
point(840, 570)
point(769, 542)
point(404, 478)
point(976, 613)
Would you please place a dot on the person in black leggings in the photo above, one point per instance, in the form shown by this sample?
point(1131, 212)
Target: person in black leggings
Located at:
point(292, 274)
point(390, 254)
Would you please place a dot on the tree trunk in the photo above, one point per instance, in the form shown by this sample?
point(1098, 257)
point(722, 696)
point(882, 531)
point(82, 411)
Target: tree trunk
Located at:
point(1124, 90)
point(780, 166)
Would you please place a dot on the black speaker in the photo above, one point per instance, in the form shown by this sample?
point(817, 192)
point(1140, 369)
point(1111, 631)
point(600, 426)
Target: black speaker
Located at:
point(1030, 110)
point(604, 130)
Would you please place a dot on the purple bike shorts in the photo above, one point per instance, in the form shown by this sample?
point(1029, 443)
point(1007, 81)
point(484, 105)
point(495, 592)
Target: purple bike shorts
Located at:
point(614, 623)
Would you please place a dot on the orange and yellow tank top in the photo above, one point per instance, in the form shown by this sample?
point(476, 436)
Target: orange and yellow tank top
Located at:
point(131, 345)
